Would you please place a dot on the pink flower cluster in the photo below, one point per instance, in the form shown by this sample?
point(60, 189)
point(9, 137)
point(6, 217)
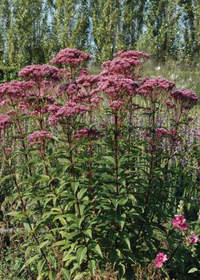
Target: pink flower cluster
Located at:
point(186, 97)
point(87, 80)
point(15, 90)
point(122, 66)
point(5, 122)
point(38, 137)
point(86, 132)
point(161, 132)
point(88, 91)
point(70, 109)
point(124, 63)
point(180, 222)
point(82, 90)
point(169, 104)
point(150, 85)
point(72, 57)
point(130, 54)
point(39, 72)
point(117, 87)
point(160, 259)
point(69, 89)
point(116, 104)
point(192, 238)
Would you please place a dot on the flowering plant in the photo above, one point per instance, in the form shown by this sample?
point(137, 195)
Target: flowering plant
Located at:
point(96, 167)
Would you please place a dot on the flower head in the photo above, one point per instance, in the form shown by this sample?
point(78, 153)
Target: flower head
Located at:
point(180, 222)
point(72, 57)
point(86, 132)
point(15, 90)
point(116, 104)
point(160, 259)
point(38, 137)
point(117, 87)
point(192, 238)
point(154, 85)
point(185, 97)
point(5, 122)
point(39, 72)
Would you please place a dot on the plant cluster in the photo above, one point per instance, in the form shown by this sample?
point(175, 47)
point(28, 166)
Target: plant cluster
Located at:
point(103, 170)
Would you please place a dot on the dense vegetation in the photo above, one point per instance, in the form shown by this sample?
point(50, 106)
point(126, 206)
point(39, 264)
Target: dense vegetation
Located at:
point(34, 31)
point(100, 172)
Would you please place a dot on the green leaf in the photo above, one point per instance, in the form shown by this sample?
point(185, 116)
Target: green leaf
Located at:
point(114, 256)
point(81, 254)
point(109, 159)
point(40, 266)
point(92, 267)
point(192, 270)
point(81, 193)
point(88, 233)
point(96, 248)
point(123, 201)
point(30, 261)
point(17, 215)
point(61, 242)
point(122, 270)
point(6, 178)
point(79, 221)
point(44, 244)
point(75, 186)
point(121, 219)
point(61, 219)
point(66, 274)
point(44, 178)
point(127, 240)
point(78, 276)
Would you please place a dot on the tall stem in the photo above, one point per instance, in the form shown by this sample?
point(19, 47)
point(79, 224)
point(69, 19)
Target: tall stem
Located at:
point(116, 152)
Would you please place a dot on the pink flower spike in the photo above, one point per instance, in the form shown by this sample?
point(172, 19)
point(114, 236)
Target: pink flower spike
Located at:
point(180, 222)
point(160, 259)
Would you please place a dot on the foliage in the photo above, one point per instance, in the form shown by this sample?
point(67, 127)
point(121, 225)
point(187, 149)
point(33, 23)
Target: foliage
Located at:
point(34, 31)
point(103, 169)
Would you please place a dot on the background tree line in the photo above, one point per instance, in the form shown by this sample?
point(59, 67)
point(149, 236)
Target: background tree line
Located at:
point(34, 31)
